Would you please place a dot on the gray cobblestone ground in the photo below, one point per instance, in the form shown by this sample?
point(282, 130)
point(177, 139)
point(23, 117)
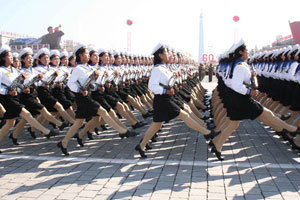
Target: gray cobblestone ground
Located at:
point(258, 165)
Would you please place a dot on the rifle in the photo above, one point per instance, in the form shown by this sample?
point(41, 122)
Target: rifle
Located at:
point(102, 80)
point(116, 81)
point(15, 84)
point(123, 78)
point(50, 79)
point(30, 83)
point(63, 79)
point(110, 78)
point(253, 80)
point(171, 83)
point(87, 84)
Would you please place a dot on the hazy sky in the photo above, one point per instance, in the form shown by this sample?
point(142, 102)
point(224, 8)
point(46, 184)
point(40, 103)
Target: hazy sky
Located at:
point(176, 22)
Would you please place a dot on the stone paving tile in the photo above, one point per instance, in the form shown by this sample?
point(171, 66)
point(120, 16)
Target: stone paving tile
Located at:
point(258, 165)
point(67, 195)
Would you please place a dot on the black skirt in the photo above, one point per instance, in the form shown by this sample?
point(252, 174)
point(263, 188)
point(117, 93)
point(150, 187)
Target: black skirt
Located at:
point(144, 85)
point(100, 98)
point(288, 92)
point(31, 104)
point(130, 91)
point(12, 106)
point(242, 106)
point(112, 97)
point(178, 101)
point(47, 98)
point(295, 99)
point(164, 108)
point(137, 89)
point(123, 94)
point(69, 94)
point(273, 88)
point(86, 106)
point(143, 88)
point(260, 83)
point(187, 89)
point(184, 96)
point(59, 94)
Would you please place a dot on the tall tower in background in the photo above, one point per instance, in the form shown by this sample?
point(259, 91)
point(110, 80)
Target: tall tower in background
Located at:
point(201, 40)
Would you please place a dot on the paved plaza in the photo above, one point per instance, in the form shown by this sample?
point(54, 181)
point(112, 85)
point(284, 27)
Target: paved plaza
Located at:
point(258, 165)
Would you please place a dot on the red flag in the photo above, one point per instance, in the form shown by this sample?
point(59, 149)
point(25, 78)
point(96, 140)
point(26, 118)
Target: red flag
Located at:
point(295, 28)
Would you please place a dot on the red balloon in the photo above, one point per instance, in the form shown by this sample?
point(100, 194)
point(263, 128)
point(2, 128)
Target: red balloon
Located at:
point(236, 18)
point(129, 22)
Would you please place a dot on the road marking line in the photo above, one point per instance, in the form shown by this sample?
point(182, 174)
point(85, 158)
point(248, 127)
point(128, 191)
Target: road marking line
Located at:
point(153, 162)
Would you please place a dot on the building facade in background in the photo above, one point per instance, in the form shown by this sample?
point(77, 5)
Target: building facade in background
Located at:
point(283, 41)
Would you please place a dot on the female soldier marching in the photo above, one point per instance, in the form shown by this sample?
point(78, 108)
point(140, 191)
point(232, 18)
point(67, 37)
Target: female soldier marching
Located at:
point(164, 107)
point(10, 78)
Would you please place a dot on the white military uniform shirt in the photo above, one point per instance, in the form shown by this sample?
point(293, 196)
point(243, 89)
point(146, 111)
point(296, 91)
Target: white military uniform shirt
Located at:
point(79, 73)
point(7, 76)
point(159, 74)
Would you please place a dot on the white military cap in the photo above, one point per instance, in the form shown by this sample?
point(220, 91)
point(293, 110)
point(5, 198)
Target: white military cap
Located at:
point(274, 52)
point(35, 56)
point(167, 46)
point(91, 48)
point(158, 46)
point(101, 51)
point(267, 54)
point(280, 51)
point(4, 48)
point(231, 49)
point(115, 53)
point(70, 55)
point(15, 55)
point(294, 49)
point(63, 54)
point(78, 47)
point(259, 55)
point(24, 51)
point(54, 53)
point(43, 51)
point(264, 54)
point(286, 50)
point(238, 44)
